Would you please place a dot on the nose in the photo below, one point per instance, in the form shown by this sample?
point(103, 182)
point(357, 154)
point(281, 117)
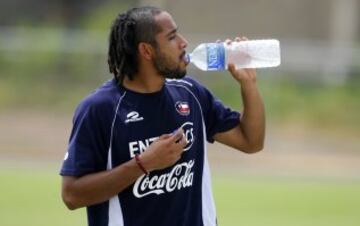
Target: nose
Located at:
point(184, 42)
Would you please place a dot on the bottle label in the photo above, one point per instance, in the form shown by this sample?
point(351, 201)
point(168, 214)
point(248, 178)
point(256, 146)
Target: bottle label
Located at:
point(215, 56)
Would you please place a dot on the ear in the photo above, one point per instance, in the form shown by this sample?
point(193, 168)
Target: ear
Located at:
point(145, 50)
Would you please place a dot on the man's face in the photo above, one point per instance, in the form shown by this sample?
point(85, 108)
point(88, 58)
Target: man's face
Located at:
point(170, 50)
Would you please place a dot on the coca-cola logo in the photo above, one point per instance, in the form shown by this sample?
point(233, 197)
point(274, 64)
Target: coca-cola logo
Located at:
point(181, 176)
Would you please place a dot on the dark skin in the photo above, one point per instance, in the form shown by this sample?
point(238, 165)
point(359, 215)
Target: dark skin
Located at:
point(248, 136)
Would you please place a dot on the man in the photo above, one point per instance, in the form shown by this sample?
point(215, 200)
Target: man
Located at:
point(137, 151)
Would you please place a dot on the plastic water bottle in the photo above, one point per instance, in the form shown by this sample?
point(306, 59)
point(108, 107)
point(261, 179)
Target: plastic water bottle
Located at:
point(244, 54)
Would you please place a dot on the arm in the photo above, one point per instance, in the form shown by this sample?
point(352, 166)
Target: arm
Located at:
point(97, 187)
point(101, 186)
point(249, 135)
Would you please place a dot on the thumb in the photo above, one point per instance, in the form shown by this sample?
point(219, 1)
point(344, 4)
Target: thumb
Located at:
point(231, 68)
point(164, 136)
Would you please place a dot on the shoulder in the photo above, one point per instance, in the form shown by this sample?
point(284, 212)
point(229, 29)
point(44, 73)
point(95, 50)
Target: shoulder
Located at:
point(199, 91)
point(103, 99)
point(186, 82)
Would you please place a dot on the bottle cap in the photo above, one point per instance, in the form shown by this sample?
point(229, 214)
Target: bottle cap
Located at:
point(187, 58)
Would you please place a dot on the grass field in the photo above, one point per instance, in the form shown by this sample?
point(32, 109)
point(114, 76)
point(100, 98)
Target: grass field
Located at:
point(32, 198)
point(290, 202)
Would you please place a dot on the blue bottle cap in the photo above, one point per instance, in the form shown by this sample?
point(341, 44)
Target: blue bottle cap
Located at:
point(187, 58)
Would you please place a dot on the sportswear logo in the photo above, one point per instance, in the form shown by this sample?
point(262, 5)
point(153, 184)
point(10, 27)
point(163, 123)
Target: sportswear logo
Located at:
point(183, 108)
point(133, 116)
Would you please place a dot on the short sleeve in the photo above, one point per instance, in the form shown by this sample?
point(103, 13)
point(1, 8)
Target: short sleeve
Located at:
point(88, 143)
point(218, 117)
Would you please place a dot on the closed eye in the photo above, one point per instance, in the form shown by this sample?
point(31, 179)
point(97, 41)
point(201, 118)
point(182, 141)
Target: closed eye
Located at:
point(172, 34)
point(172, 37)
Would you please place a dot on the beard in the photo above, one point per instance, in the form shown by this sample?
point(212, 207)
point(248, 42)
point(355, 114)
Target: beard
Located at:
point(168, 68)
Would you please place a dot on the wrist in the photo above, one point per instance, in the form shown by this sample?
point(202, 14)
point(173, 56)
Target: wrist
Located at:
point(141, 164)
point(247, 84)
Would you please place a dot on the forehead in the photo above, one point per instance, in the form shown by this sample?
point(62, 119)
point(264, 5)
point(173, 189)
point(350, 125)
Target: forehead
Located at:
point(165, 22)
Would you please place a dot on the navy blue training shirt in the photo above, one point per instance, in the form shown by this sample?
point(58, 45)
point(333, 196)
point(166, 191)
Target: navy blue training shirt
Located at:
point(113, 124)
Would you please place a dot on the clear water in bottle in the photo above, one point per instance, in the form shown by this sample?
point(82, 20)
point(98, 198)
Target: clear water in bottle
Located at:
point(244, 54)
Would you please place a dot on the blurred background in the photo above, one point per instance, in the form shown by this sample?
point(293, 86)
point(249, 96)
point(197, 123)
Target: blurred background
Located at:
point(53, 53)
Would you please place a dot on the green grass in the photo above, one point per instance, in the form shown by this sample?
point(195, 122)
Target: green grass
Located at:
point(32, 198)
point(264, 202)
point(290, 101)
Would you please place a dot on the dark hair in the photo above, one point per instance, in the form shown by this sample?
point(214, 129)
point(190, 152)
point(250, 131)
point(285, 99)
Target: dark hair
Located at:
point(127, 31)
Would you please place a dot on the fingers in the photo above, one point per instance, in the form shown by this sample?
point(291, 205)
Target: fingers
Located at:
point(179, 138)
point(228, 41)
point(164, 136)
point(177, 135)
point(178, 142)
point(174, 136)
point(182, 142)
point(237, 39)
point(168, 150)
point(232, 68)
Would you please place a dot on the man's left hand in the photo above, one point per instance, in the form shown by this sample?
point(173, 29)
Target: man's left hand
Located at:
point(244, 75)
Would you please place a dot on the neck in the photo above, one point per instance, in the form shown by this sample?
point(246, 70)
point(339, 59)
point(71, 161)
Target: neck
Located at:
point(145, 82)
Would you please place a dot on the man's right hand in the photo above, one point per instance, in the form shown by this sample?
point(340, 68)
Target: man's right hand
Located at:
point(165, 151)
point(98, 187)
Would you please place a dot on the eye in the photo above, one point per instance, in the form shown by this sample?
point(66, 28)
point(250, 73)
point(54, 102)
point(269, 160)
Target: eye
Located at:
point(172, 37)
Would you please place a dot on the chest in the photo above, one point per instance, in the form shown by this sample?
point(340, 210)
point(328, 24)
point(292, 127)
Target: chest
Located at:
point(140, 121)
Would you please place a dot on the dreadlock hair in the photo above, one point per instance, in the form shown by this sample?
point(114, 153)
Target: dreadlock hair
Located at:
point(127, 31)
